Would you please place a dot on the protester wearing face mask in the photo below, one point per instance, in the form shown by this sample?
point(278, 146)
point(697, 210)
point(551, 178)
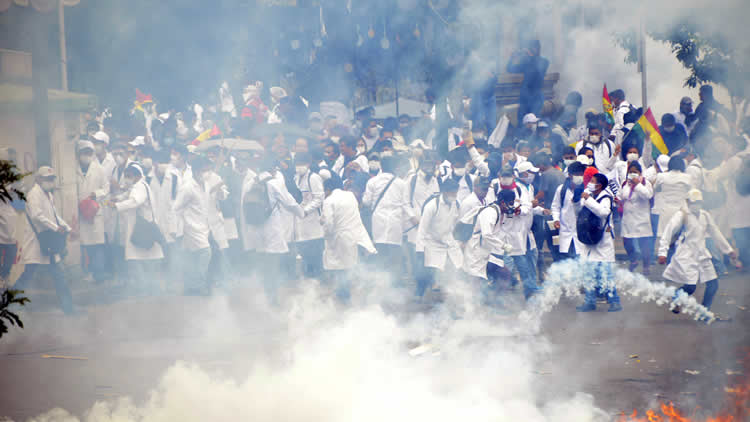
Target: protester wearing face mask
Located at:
point(635, 202)
point(684, 116)
point(565, 206)
point(630, 154)
point(308, 229)
point(107, 161)
point(361, 147)
point(670, 192)
point(599, 257)
point(568, 157)
point(417, 149)
point(459, 160)
point(524, 243)
point(93, 188)
point(142, 263)
point(422, 184)
point(42, 215)
point(674, 135)
point(373, 163)
point(605, 152)
point(349, 159)
point(550, 178)
point(691, 263)
point(371, 134)
point(161, 190)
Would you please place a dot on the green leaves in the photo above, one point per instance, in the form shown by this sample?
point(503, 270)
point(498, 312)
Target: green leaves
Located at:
point(8, 298)
point(9, 175)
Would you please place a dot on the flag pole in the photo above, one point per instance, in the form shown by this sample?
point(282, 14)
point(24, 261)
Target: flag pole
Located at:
point(642, 65)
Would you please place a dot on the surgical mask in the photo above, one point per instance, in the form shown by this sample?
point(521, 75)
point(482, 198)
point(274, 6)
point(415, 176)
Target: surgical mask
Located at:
point(100, 149)
point(47, 186)
point(591, 160)
point(147, 163)
point(577, 180)
point(568, 162)
point(372, 132)
point(374, 165)
point(460, 172)
point(174, 159)
point(300, 170)
point(386, 154)
point(633, 156)
point(669, 129)
point(506, 181)
point(162, 168)
point(361, 150)
point(528, 179)
point(120, 160)
point(633, 176)
point(591, 187)
point(595, 139)
point(85, 160)
point(508, 156)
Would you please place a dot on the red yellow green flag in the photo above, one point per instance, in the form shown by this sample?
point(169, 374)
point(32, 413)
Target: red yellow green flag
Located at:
point(607, 103)
point(140, 100)
point(208, 134)
point(646, 127)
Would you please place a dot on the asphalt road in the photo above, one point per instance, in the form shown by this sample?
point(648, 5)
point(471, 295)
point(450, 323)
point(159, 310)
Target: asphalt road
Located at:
point(627, 360)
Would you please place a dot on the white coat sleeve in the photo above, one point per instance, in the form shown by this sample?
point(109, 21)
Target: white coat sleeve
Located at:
point(487, 219)
point(406, 208)
point(183, 198)
point(424, 224)
point(643, 191)
point(316, 189)
point(326, 218)
point(612, 161)
point(285, 199)
point(556, 206)
point(136, 198)
point(479, 163)
point(674, 226)
point(37, 215)
point(600, 209)
point(103, 189)
point(369, 196)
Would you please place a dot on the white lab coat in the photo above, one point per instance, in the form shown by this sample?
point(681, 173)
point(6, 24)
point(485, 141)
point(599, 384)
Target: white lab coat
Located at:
point(423, 189)
point(112, 226)
point(691, 262)
point(727, 172)
point(567, 215)
point(392, 212)
point(528, 211)
point(94, 181)
point(670, 193)
point(339, 167)
point(190, 208)
point(487, 239)
point(620, 113)
point(309, 226)
point(8, 218)
point(604, 154)
point(215, 190)
point(138, 203)
point(619, 173)
point(343, 231)
point(695, 170)
point(604, 251)
point(178, 178)
point(435, 234)
point(636, 213)
point(108, 164)
point(277, 231)
point(471, 204)
point(40, 207)
point(161, 194)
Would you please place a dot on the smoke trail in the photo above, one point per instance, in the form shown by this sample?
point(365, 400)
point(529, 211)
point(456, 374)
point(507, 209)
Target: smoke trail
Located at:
point(567, 278)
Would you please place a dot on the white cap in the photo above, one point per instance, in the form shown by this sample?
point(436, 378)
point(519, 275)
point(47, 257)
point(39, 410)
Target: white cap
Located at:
point(418, 143)
point(530, 118)
point(583, 159)
point(138, 141)
point(278, 92)
point(694, 195)
point(663, 162)
point(83, 144)
point(102, 137)
point(543, 124)
point(525, 166)
point(45, 171)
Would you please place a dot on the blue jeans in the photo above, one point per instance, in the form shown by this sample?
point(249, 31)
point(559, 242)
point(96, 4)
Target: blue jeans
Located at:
point(708, 296)
point(742, 240)
point(654, 227)
point(97, 261)
point(32, 271)
point(639, 248)
point(527, 271)
point(195, 267)
point(603, 282)
point(311, 252)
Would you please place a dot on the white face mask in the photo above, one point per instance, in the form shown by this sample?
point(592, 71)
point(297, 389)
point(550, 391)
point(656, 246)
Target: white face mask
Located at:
point(633, 156)
point(85, 160)
point(508, 156)
point(528, 179)
point(147, 163)
point(591, 187)
point(300, 170)
point(577, 180)
point(174, 159)
point(386, 154)
point(374, 166)
point(361, 150)
point(568, 162)
point(460, 172)
point(47, 185)
point(162, 168)
point(633, 176)
point(372, 132)
point(695, 207)
point(595, 139)
point(100, 149)
point(506, 181)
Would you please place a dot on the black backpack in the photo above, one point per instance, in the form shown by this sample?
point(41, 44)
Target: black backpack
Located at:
point(589, 226)
point(257, 206)
point(463, 231)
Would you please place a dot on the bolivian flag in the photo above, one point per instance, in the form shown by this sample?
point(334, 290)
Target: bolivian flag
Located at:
point(140, 100)
point(607, 103)
point(208, 134)
point(646, 127)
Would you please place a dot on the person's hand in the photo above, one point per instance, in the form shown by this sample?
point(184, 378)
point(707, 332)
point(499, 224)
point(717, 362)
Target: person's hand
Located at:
point(557, 225)
point(354, 166)
point(61, 230)
point(547, 212)
point(535, 203)
point(733, 255)
point(662, 260)
point(517, 211)
point(585, 195)
point(618, 149)
point(612, 137)
point(92, 195)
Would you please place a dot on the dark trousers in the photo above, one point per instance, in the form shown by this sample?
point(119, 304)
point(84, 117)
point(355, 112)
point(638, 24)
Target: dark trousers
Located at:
point(7, 259)
point(311, 252)
point(742, 240)
point(95, 260)
point(53, 271)
point(639, 248)
point(388, 258)
point(708, 297)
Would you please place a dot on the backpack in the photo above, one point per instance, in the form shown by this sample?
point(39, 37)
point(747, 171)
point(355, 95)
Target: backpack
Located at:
point(633, 115)
point(589, 226)
point(463, 231)
point(257, 206)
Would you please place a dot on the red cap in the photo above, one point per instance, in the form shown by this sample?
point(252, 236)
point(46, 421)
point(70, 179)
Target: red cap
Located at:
point(588, 174)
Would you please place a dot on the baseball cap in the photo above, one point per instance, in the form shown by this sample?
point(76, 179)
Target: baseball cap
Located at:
point(530, 118)
point(45, 171)
point(525, 166)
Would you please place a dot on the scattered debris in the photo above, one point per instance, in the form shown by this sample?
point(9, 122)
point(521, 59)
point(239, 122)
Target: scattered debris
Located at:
point(730, 372)
point(741, 308)
point(731, 302)
point(64, 357)
point(733, 390)
point(595, 343)
point(687, 393)
point(691, 372)
point(652, 361)
point(633, 356)
point(420, 350)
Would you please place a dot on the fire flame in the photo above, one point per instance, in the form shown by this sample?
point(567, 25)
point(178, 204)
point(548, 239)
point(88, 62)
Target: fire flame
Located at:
point(736, 408)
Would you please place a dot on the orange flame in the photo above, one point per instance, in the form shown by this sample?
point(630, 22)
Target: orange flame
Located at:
point(736, 409)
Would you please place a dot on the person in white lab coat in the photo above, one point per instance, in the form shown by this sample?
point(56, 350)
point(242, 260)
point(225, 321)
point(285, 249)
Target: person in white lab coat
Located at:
point(114, 230)
point(161, 194)
point(308, 231)
point(41, 215)
point(565, 207)
point(92, 185)
point(214, 191)
point(344, 234)
point(422, 183)
point(142, 263)
point(691, 263)
point(526, 173)
point(670, 192)
point(488, 242)
point(8, 243)
point(195, 255)
point(442, 252)
point(349, 159)
point(635, 199)
point(605, 151)
point(599, 257)
point(105, 158)
point(387, 196)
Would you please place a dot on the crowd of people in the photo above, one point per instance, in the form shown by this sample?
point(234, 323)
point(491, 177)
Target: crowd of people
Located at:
point(165, 202)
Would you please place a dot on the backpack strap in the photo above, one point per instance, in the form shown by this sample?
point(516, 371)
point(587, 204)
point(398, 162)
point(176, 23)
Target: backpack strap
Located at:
point(413, 187)
point(382, 194)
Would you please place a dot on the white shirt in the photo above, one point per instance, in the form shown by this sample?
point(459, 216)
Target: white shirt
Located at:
point(435, 234)
point(8, 216)
point(277, 231)
point(309, 226)
point(423, 189)
point(392, 212)
point(215, 190)
point(344, 231)
point(189, 204)
point(670, 193)
point(139, 202)
point(567, 215)
point(604, 154)
point(604, 251)
point(40, 207)
point(636, 214)
point(93, 181)
point(486, 244)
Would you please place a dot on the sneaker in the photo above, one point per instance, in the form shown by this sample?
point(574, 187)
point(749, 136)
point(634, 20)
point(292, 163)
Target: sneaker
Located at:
point(676, 310)
point(614, 307)
point(632, 266)
point(586, 307)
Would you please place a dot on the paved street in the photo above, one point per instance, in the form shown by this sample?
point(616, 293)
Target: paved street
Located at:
point(626, 360)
